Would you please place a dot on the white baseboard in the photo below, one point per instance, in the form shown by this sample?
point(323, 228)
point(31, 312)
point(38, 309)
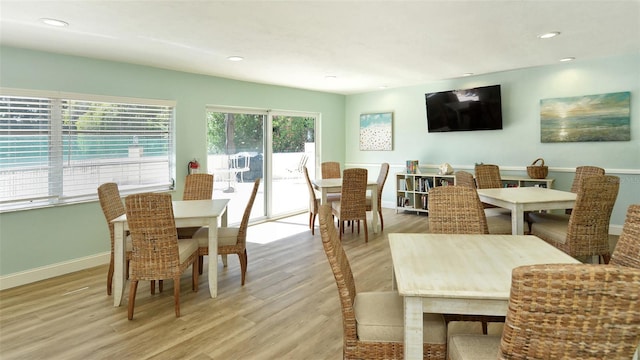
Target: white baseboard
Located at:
point(53, 270)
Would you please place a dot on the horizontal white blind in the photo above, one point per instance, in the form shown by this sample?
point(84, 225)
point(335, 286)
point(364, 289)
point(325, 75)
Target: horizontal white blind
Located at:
point(60, 150)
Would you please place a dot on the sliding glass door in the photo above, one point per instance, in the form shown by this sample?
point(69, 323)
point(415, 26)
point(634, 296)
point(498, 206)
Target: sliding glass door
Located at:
point(243, 145)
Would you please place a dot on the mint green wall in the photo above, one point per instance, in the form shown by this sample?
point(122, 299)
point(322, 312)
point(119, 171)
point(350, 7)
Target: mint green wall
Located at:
point(35, 238)
point(518, 144)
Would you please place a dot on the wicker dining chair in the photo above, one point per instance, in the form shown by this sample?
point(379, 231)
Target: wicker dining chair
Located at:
point(314, 202)
point(488, 176)
point(156, 252)
point(456, 210)
point(331, 170)
point(586, 231)
point(499, 222)
point(373, 322)
point(353, 201)
point(231, 240)
point(563, 311)
point(196, 187)
point(581, 173)
point(113, 207)
point(627, 250)
point(382, 178)
point(464, 178)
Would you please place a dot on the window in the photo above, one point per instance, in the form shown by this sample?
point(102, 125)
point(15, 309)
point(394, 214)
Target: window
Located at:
point(58, 149)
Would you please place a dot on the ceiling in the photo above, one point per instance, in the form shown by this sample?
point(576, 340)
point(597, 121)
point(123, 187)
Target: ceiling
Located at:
point(341, 47)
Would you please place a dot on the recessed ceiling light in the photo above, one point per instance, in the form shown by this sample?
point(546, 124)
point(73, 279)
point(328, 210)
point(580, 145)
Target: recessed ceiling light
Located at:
point(54, 22)
point(567, 59)
point(467, 74)
point(549, 35)
point(330, 77)
point(382, 87)
point(235, 58)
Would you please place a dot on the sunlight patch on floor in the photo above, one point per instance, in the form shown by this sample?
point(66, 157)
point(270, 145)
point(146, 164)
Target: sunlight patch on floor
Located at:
point(271, 231)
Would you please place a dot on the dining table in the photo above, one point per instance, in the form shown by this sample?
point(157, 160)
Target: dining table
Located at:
point(526, 198)
point(459, 274)
point(190, 213)
point(326, 186)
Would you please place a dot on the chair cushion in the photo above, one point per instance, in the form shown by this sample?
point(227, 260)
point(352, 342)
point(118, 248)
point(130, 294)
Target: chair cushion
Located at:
point(186, 247)
point(380, 317)
point(473, 347)
point(551, 227)
point(463, 327)
point(226, 236)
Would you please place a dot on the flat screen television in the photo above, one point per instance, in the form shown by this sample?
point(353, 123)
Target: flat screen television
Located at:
point(465, 109)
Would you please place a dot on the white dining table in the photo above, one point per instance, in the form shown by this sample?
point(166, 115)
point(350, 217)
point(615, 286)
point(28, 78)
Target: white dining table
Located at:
point(459, 274)
point(525, 198)
point(335, 185)
point(191, 213)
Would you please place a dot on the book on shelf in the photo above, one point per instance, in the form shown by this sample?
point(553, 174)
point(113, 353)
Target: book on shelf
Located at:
point(412, 166)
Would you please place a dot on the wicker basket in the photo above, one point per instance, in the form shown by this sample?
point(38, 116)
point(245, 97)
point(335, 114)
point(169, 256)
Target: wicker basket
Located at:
point(537, 171)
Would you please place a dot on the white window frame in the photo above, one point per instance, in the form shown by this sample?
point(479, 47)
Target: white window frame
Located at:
point(157, 173)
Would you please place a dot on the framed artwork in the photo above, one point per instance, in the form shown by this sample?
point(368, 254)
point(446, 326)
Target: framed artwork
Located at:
point(376, 131)
point(603, 117)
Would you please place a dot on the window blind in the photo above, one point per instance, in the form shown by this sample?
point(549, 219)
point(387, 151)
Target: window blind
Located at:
point(59, 150)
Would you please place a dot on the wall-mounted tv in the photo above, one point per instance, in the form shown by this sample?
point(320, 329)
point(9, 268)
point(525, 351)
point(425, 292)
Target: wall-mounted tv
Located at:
point(465, 109)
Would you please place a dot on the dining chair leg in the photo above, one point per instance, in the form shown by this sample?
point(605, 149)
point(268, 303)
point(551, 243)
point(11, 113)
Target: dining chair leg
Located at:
point(200, 264)
point(243, 265)
point(110, 276)
point(195, 271)
point(605, 258)
point(152, 286)
point(366, 230)
point(176, 294)
point(160, 285)
point(381, 221)
point(132, 298)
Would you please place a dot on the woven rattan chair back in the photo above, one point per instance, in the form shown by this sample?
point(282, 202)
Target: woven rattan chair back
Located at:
point(382, 178)
point(112, 207)
point(488, 176)
point(588, 230)
point(330, 170)
point(155, 243)
point(353, 199)
point(198, 187)
point(313, 201)
point(155, 254)
point(456, 210)
point(244, 223)
point(627, 250)
point(353, 348)
point(464, 178)
point(584, 172)
point(572, 311)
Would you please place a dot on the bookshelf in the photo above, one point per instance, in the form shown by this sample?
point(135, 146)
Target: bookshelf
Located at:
point(412, 190)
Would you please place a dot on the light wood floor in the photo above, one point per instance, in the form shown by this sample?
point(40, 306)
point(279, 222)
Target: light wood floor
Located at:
point(288, 308)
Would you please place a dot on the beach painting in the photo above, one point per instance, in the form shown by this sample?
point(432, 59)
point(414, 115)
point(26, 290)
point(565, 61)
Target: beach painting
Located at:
point(376, 131)
point(603, 117)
